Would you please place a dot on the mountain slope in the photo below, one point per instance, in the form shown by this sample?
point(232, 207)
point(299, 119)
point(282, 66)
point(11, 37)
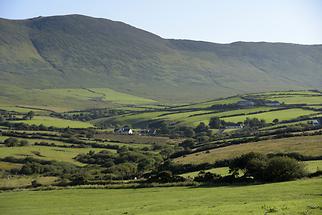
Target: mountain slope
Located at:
point(76, 51)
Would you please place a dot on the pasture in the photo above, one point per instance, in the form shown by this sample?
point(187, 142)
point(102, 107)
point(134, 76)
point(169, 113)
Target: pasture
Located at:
point(24, 181)
point(104, 94)
point(46, 153)
point(296, 99)
point(307, 145)
point(270, 116)
point(55, 122)
point(287, 198)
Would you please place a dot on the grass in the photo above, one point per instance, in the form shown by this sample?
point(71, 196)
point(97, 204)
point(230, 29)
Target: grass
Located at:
point(56, 122)
point(22, 110)
point(270, 116)
point(35, 140)
point(195, 120)
point(219, 170)
point(46, 153)
point(313, 166)
point(23, 181)
point(296, 99)
point(64, 99)
point(288, 198)
point(310, 145)
point(8, 166)
point(182, 117)
point(104, 94)
point(208, 104)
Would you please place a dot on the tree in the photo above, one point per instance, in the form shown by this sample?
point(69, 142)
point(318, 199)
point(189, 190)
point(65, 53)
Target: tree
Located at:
point(29, 115)
point(201, 128)
point(215, 122)
point(188, 143)
point(284, 169)
point(188, 132)
point(262, 168)
point(24, 143)
point(11, 142)
point(275, 121)
point(203, 139)
point(254, 123)
point(243, 163)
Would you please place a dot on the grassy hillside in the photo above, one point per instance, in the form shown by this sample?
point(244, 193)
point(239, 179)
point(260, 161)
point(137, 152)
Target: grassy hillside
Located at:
point(303, 145)
point(83, 52)
point(289, 198)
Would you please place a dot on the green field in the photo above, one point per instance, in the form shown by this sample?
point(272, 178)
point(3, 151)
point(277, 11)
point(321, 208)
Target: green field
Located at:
point(288, 198)
point(304, 145)
point(195, 120)
point(208, 104)
point(189, 117)
point(270, 116)
point(23, 181)
point(8, 166)
point(56, 122)
point(313, 166)
point(22, 110)
point(46, 152)
point(104, 94)
point(65, 99)
point(296, 99)
point(219, 170)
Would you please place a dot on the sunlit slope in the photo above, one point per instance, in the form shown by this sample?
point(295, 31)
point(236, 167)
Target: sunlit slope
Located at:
point(83, 52)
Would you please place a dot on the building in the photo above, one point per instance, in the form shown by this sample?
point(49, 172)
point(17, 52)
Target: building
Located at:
point(234, 127)
point(125, 130)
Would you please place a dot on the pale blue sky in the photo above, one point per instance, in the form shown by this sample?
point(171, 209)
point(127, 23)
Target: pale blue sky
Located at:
point(222, 21)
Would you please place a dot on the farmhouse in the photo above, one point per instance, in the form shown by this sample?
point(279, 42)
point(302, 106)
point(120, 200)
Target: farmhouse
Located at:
point(234, 127)
point(125, 130)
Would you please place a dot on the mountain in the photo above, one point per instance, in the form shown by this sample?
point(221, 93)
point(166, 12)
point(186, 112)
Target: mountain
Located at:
point(76, 51)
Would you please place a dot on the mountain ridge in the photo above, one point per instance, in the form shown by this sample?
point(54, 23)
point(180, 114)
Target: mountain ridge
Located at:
point(77, 51)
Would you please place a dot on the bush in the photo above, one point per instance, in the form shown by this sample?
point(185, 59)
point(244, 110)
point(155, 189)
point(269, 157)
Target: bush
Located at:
point(11, 142)
point(207, 177)
point(283, 169)
point(34, 183)
point(165, 177)
point(269, 169)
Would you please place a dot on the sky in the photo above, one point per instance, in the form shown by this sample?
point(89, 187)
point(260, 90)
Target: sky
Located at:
point(220, 21)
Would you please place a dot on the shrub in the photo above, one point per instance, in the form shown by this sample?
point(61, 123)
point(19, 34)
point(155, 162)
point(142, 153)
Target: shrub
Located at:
point(11, 142)
point(264, 168)
point(283, 169)
point(207, 177)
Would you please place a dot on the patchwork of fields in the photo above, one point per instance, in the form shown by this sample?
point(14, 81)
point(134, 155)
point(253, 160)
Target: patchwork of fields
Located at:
point(130, 156)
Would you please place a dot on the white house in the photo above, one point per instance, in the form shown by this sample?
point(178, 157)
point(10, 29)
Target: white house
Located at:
point(125, 130)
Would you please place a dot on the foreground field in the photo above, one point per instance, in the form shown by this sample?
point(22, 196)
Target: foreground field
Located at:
point(303, 145)
point(288, 198)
